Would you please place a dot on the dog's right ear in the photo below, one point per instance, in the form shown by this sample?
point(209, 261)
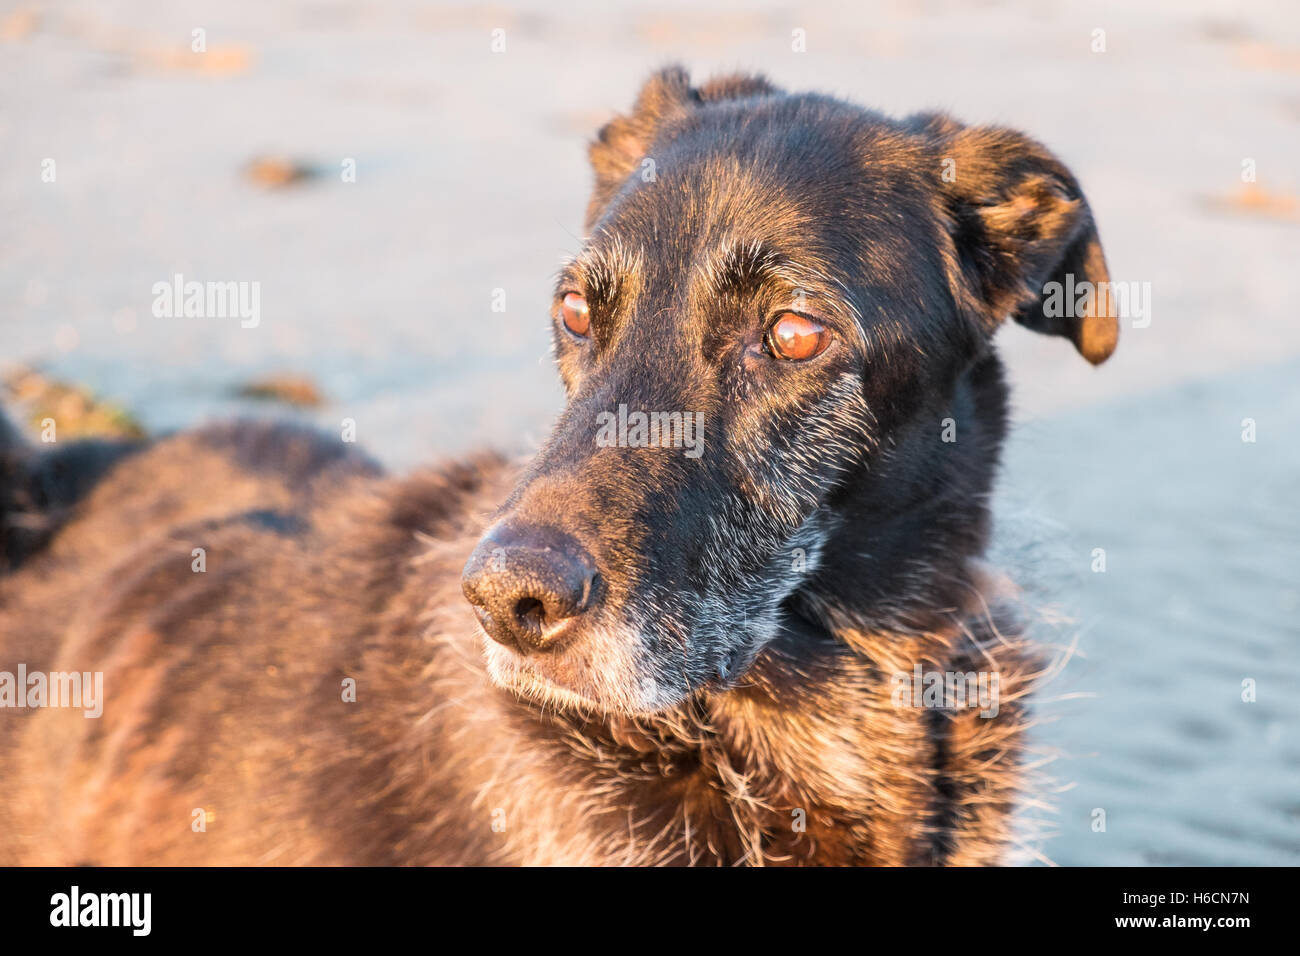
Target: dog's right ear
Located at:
point(625, 142)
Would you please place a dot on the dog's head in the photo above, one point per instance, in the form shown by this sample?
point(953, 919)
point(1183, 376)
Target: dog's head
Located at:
point(781, 395)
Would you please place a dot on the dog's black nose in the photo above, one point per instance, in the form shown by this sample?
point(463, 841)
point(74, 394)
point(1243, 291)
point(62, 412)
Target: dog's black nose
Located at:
point(528, 586)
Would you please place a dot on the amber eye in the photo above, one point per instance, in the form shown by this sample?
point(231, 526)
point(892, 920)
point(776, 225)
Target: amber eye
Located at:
point(796, 337)
point(577, 318)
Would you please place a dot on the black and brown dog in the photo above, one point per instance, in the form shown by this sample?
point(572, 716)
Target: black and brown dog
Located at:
point(765, 500)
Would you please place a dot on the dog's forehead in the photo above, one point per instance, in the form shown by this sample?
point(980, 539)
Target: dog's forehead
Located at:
point(716, 223)
point(818, 184)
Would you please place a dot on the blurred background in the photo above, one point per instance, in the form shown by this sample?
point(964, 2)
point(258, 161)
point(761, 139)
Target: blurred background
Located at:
point(386, 177)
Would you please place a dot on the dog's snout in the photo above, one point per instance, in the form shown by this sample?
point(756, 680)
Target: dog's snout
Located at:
point(529, 586)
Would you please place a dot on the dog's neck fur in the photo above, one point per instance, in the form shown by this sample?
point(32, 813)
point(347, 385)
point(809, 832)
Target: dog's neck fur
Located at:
point(811, 760)
point(899, 557)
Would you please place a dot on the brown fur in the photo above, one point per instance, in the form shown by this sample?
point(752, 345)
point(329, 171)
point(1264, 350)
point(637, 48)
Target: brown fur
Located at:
point(727, 705)
point(224, 693)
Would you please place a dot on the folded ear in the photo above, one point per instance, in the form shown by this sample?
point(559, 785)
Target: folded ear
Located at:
point(1026, 240)
point(625, 142)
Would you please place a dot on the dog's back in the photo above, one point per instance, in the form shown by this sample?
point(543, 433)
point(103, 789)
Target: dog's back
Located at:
point(226, 584)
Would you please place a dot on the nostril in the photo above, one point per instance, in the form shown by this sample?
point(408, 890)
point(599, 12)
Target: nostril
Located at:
point(531, 614)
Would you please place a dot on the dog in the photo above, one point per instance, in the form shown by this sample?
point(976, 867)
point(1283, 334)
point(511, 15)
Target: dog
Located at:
point(694, 629)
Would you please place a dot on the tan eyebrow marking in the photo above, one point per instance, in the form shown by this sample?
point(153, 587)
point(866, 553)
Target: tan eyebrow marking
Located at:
point(736, 266)
point(606, 268)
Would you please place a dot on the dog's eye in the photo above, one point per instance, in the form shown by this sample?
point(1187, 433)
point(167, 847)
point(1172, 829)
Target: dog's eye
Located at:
point(574, 312)
point(796, 337)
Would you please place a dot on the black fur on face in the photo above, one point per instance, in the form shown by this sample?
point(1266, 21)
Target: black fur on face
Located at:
point(824, 489)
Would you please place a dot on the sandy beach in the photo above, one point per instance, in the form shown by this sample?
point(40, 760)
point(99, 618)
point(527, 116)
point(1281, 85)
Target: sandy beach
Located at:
point(384, 175)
